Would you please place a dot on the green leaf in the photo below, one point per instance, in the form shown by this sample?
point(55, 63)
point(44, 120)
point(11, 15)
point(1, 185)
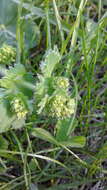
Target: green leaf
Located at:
point(75, 142)
point(7, 21)
point(3, 143)
point(32, 33)
point(26, 85)
point(42, 104)
point(17, 79)
point(102, 154)
point(5, 119)
point(62, 128)
point(40, 13)
point(9, 15)
point(18, 123)
point(8, 25)
point(52, 57)
point(44, 135)
point(2, 93)
point(35, 10)
point(32, 165)
point(13, 76)
point(103, 20)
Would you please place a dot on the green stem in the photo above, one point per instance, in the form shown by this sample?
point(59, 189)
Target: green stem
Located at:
point(48, 42)
point(18, 32)
point(58, 20)
point(76, 90)
point(77, 23)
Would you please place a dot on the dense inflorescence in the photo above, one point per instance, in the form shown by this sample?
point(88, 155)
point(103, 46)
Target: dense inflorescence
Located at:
point(62, 82)
point(19, 107)
point(7, 54)
point(60, 106)
point(55, 102)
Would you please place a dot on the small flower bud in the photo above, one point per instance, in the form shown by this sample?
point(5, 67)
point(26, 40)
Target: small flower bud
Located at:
point(62, 82)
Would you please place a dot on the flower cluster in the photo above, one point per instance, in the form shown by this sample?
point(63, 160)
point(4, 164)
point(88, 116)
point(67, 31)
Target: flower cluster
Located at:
point(19, 108)
point(53, 98)
point(60, 106)
point(52, 93)
point(62, 82)
point(7, 54)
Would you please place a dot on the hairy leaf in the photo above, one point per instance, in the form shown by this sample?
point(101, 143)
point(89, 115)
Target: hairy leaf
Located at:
point(77, 142)
point(52, 57)
point(62, 129)
point(44, 135)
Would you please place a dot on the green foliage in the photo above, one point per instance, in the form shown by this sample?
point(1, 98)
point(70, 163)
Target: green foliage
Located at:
point(102, 154)
point(3, 143)
point(52, 93)
point(62, 128)
point(8, 23)
point(5, 119)
point(44, 135)
point(75, 142)
point(52, 57)
point(13, 113)
point(52, 98)
point(53, 112)
point(8, 26)
point(8, 120)
point(13, 77)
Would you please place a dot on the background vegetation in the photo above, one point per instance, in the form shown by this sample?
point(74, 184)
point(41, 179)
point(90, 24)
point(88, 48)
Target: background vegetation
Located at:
point(35, 156)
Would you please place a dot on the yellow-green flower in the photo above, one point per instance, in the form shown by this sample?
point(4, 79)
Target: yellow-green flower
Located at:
point(19, 108)
point(7, 54)
point(61, 107)
point(62, 82)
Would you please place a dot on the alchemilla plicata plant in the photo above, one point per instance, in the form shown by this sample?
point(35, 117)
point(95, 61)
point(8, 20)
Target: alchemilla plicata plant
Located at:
point(53, 75)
